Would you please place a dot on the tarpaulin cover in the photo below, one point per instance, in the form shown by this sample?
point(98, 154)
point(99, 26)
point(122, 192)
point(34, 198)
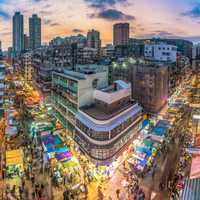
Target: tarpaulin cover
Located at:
point(143, 150)
point(148, 143)
point(49, 148)
point(69, 164)
point(191, 189)
point(14, 157)
point(48, 139)
point(197, 141)
point(51, 139)
point(61, 150)
point(145, 123)
point(159, 131)
point(195, 169)
point(57, 140)
point(65, 155)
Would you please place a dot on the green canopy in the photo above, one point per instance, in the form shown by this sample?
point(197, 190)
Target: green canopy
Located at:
point(148, 143)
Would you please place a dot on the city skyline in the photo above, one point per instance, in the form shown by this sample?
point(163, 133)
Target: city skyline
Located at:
point(161, 19)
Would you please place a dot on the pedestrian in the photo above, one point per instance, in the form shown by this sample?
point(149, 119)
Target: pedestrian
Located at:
point(33, 180)
point(153, 173)
point(86, 190)
point(100, 193)
point(66, 195)
point(20, 192)
point(23, 183)
point(26, 193)
point(117, 193)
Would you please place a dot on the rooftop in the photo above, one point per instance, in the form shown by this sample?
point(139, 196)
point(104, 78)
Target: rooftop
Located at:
point(98, 114)
point(81, 71)
point(117, 86)
point(131, 110)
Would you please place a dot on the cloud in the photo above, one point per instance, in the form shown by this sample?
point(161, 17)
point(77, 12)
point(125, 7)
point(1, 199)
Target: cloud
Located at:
point(4, 15)
point(37, 1)
point(194, 12)
point(159, 34)
point(112, 15)
point(54, 24)
point(45, 12)
point(163, 33)
point(50, 22)
point(76, 30)
point(102, 4)
point(47, 21)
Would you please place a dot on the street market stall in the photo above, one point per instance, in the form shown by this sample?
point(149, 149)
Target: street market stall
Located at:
point(14, 163)
point(147, 147)
point(60, 158)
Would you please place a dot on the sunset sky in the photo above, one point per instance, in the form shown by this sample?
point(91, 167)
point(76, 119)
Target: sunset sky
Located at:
point(162, 18)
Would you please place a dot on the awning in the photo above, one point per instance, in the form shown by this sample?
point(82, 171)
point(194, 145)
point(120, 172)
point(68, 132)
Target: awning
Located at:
point(148, 143)
point(191, 189)
point(14, 157)
point(195, 170)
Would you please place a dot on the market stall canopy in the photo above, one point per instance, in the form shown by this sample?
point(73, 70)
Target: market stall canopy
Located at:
point(197, 141)
point(148, 143)
point(145, 123)
point(195, 170)
point(14, 157)
point(11, 131)
point(191, 189)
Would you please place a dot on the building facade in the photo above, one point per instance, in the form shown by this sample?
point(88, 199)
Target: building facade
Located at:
point(18, 33)
point(26, 42)
point(34, 32)
point(93, 39)
point(102, 119)
point(120, 34)
point(150, 81)
point(73, 89)
point(106, 126)
point(2, 88)
point(150, 86)
point(160, 52)
point(28, 68)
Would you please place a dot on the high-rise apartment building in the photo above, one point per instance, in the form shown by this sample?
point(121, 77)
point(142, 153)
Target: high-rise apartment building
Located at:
point(93, 39)
point(28, 68)
point(35, 31)
point(18, 33)
point(120, 34)
point(26, 42)
point(1, 53)
point(150, 85)
point(150, 81)
point(2, 88)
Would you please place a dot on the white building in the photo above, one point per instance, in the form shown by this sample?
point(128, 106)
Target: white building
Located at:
point(160, 52)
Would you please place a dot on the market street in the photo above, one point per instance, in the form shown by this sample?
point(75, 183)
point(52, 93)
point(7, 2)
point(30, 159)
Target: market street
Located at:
point(52, 179)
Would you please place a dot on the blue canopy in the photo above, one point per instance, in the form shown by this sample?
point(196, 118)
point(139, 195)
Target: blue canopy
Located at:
point(61, 150)
point(160, 131)
point(142, 162)
point(144, 150)
point(49, 148)
point(57, 140)
point(145, 123)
